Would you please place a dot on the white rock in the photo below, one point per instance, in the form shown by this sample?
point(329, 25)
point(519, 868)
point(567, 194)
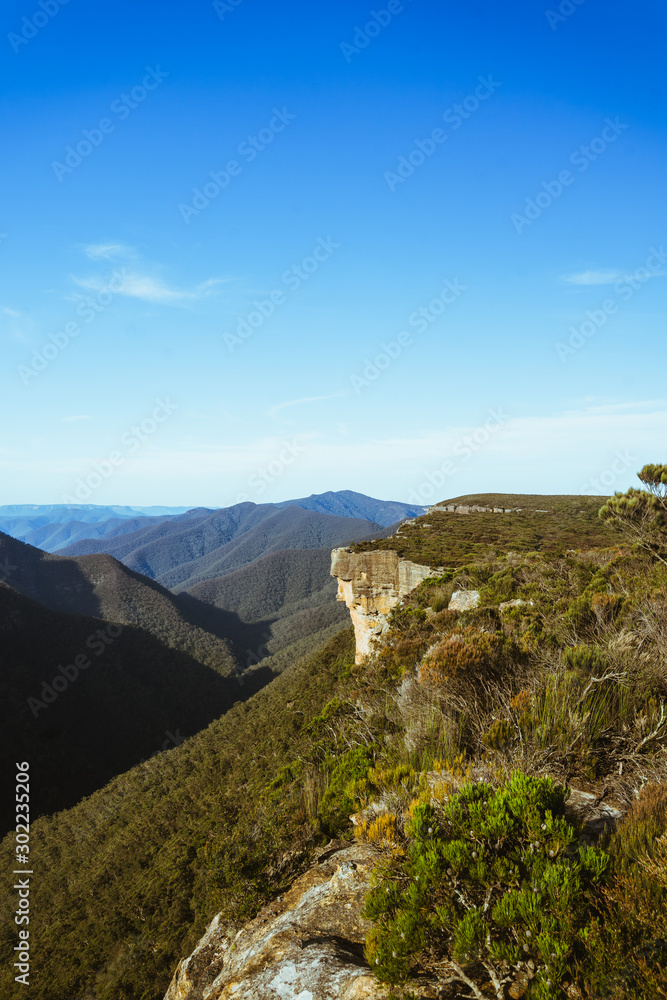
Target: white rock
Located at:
point(464, 600)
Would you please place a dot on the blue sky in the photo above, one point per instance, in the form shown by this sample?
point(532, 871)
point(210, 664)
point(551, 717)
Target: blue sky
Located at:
point(431, 263)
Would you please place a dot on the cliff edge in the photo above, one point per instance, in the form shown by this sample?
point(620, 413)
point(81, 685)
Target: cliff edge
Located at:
point(372, 584)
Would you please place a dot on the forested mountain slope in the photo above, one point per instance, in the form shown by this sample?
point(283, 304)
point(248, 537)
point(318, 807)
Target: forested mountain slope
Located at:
point(100, 585)
point(84, 698)
point(184, 551)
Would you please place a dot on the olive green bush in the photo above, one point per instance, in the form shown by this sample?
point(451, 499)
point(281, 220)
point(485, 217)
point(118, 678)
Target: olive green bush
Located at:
point(492, 887)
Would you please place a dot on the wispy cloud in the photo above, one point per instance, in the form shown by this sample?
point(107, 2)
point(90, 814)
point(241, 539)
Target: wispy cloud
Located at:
point(297, 402)
point(581, 441)
point(139, 285)
point(109, 251)
point(11, 312)
point(603, 277)
point(150, 289)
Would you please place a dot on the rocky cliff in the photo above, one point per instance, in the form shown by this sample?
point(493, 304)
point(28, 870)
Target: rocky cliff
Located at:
point(307, 945)
point(371, 584)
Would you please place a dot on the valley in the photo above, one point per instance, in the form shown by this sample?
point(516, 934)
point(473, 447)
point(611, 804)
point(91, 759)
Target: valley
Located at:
point(251, 591)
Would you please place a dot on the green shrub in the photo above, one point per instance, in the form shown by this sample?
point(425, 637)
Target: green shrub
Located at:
point(494, 882)
point(346, 783)
point(584, 659)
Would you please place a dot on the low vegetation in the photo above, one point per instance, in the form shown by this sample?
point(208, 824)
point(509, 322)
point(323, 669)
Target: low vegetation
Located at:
point(449, 539)
point(492, 881)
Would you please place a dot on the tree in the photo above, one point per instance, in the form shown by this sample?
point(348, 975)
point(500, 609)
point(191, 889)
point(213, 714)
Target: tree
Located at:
point(642, 514)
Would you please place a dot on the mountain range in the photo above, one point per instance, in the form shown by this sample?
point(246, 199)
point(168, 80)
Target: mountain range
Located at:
point(53, 527)
point(250, 593)
point(86, 698)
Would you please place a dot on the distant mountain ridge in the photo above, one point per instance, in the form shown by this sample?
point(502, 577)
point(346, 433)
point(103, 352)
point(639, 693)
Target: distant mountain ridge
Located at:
point(56, 526)
point(91, 512)
point(257, 574)
point(270, 604)
point(197, 546)
point(347, 503)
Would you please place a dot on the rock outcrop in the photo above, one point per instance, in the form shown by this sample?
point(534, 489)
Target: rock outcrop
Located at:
point(467, 508)
point(372, 584)
point(464, 600)
point(307, 945)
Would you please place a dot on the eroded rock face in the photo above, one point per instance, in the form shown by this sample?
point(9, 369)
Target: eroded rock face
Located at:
point(306, 946)
point(372, 584)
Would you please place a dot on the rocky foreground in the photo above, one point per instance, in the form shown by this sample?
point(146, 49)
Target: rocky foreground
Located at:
point(306, 945)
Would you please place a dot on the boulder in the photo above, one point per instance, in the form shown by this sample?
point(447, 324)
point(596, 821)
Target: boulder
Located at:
point(464, 600)
point(591, 814)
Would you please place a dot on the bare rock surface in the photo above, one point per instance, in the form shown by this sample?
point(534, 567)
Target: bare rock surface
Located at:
point(372, 584)
point(464, 600)
point(308, 945)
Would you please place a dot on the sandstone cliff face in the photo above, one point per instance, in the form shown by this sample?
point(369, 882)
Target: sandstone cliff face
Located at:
point(371, 584)
point(308, 945)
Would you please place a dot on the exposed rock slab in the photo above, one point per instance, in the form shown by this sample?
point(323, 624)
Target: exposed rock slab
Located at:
point(463, 600)
point(306, 946)
point(372, 584)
